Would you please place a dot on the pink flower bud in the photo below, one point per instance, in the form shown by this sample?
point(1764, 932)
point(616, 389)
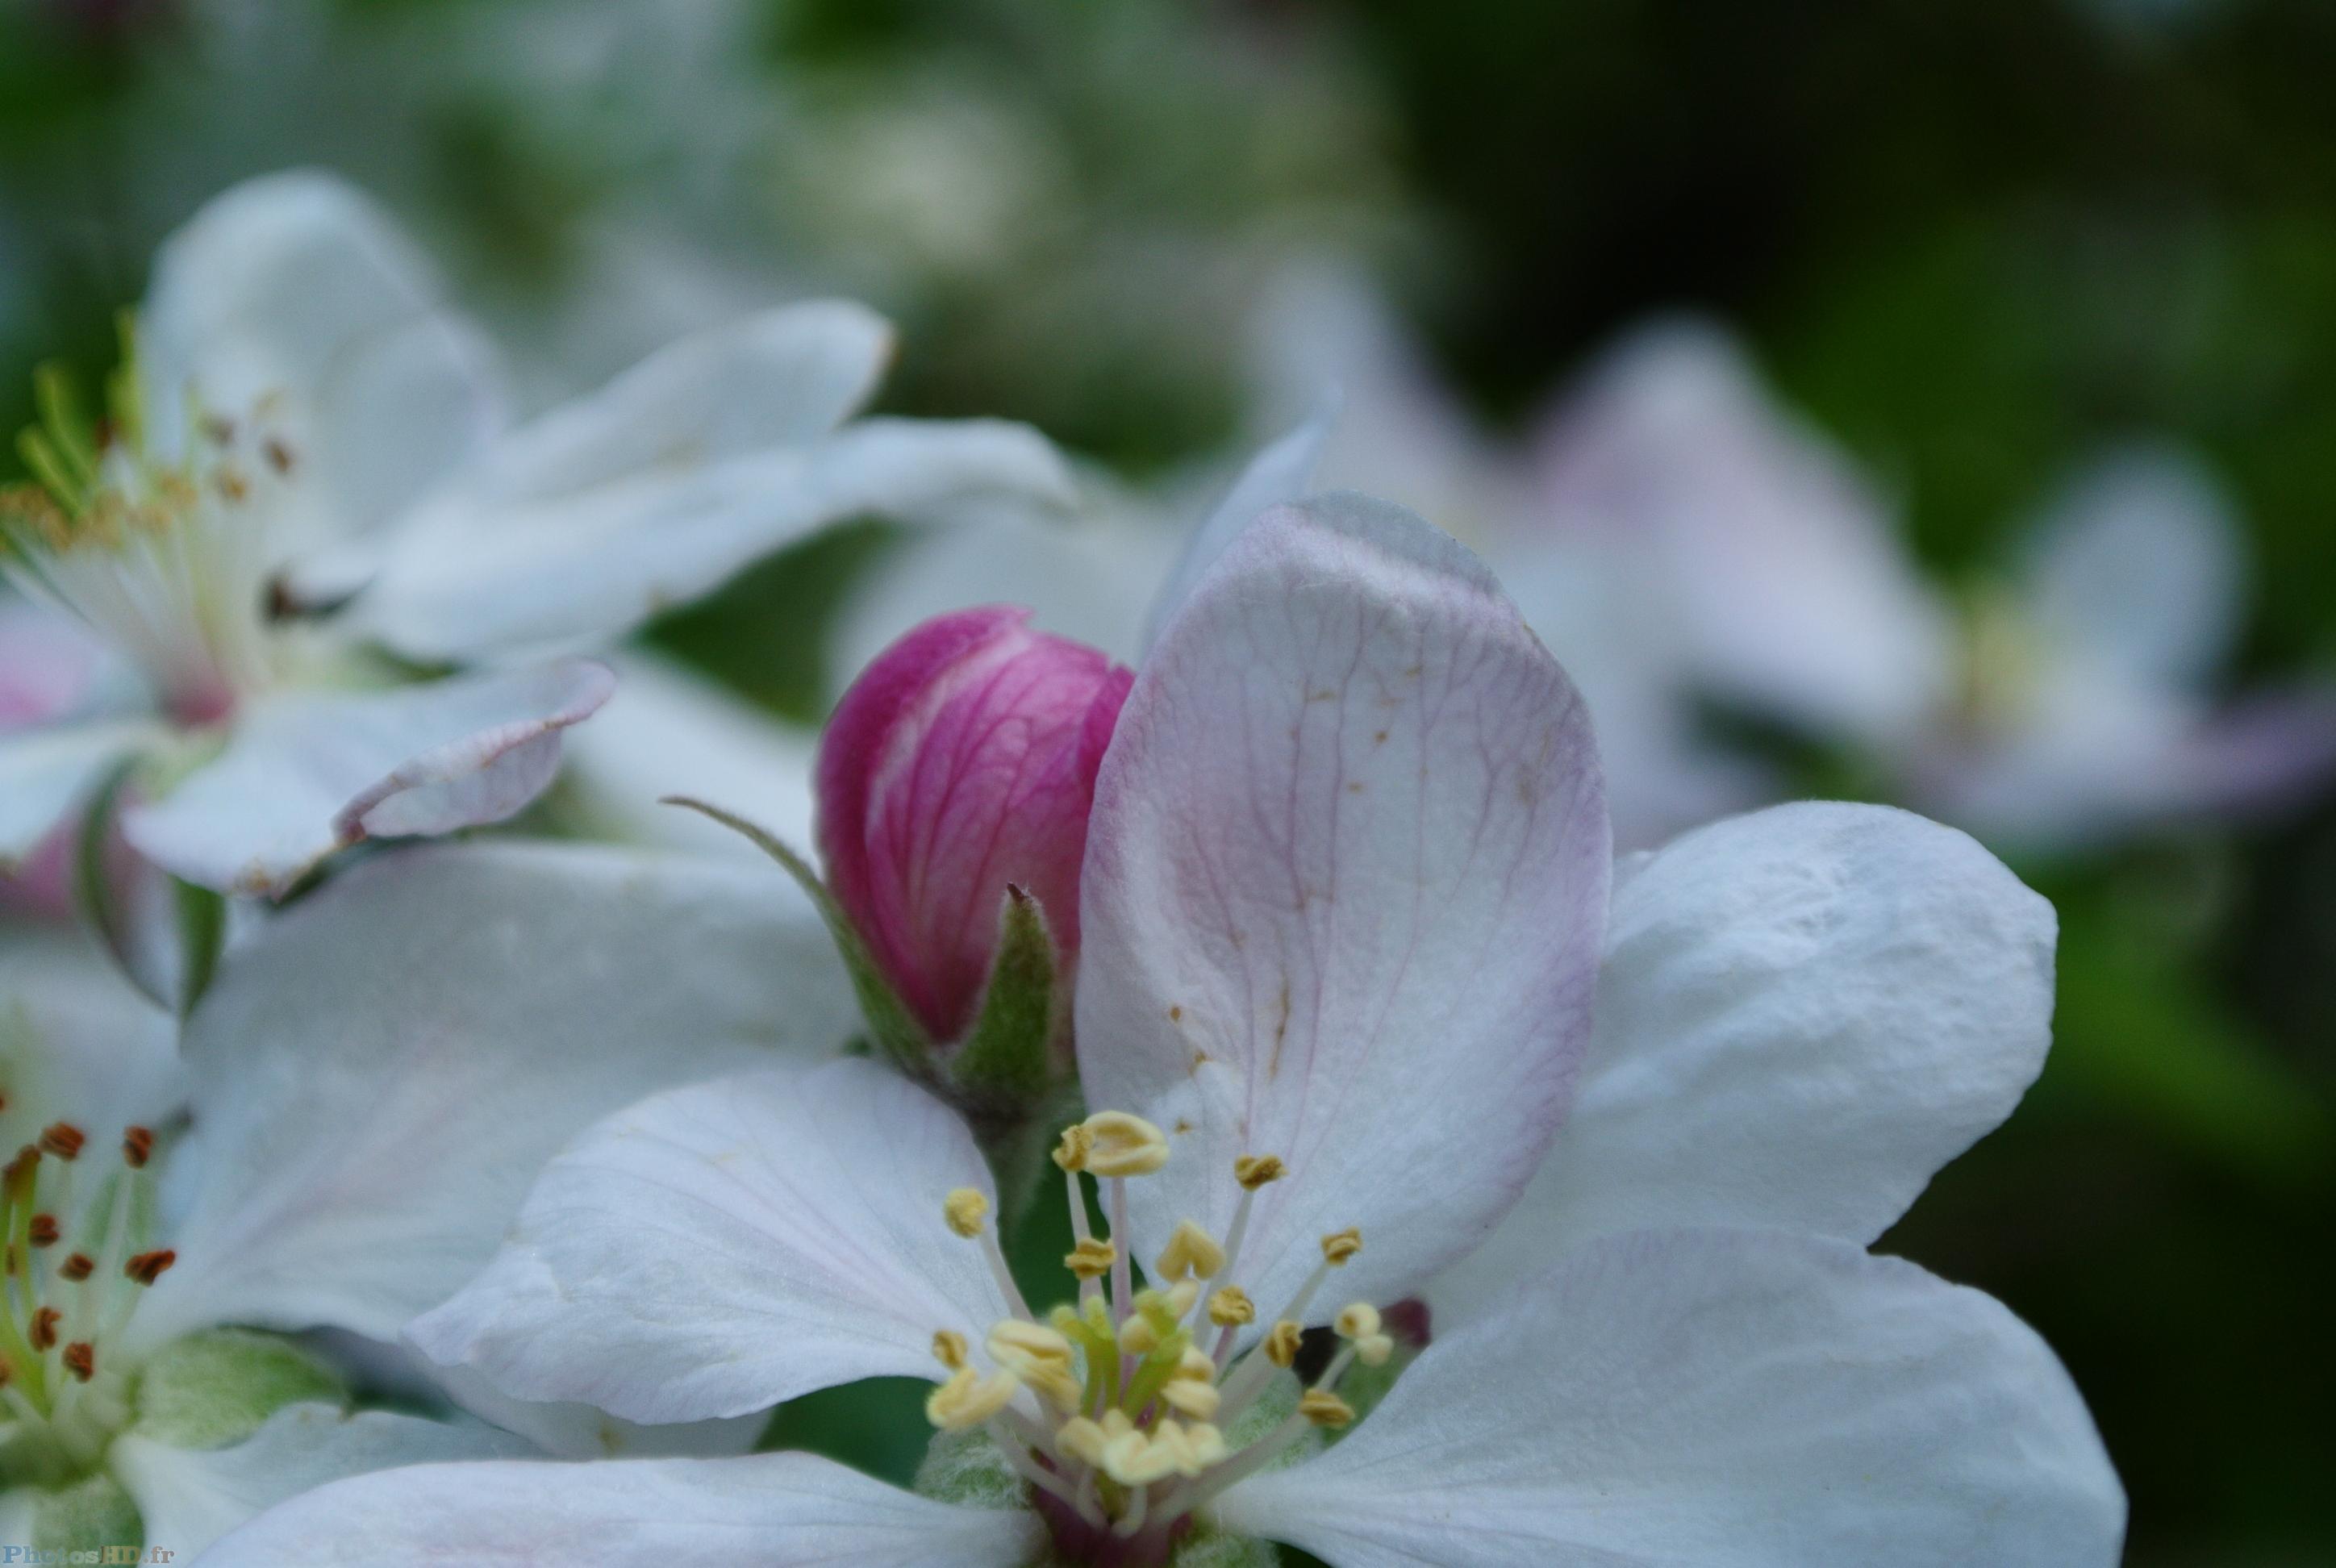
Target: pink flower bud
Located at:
point(962, 760)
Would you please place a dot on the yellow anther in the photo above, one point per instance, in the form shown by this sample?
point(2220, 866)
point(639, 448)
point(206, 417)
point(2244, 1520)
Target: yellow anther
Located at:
point(1206, 1445)
point(1081, 1438)
point(1195, 1362)
point(1254, 1171)
point(1124, 1145)
point(1324, 1408)
point(1138, 1459)
point(948, 1348)
point(1341, 1245)
point(1231, 1307)
point(1139, 1336)
point(1373, 1350)
point(1181, 1297)
point(1015, 1343)
point(968, 1398)
point(1090, 1259)
point(1191, 1396)
point(1281, 1342)
point(1359, 1321)
point(1190, 1251)
point(966, 1210)
point(1071, 1154)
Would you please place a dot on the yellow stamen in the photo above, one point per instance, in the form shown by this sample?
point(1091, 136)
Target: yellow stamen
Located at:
point(966, 1210)
point(1281, 1343)
point(1190, 1251)
point(1324, 1408)
point(948, 1348)
point(1090, 1259)
point(1071, 1154)
point(1359, 1321)
point(1124, 1144)
point(1254, 1171)
point(1191, 1396)
point(968, 1398)
point(1231, 1307)
point(1341, 1245)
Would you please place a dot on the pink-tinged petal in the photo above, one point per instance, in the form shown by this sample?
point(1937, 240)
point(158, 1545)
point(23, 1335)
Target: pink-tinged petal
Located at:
point(1803, 1014)
point(189, 1497)
point(718, 1249)
point(77, 1042)
point(775, 1510)
point(48, 663)
point(1794, 591)
point(310, 773)
point(381, 1070)
point(1737, 1399)
point(1345, 887)
point(961, 761)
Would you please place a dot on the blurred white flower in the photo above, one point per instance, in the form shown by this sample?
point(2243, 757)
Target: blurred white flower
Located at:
point(1343, 909)
point(2071, 701)
point(309, 458)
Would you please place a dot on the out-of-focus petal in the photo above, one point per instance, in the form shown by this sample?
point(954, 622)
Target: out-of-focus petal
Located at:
point(381, 1071)
point(309, 773)
point(46, 772)
point(1345, 887)
point(1280, 474)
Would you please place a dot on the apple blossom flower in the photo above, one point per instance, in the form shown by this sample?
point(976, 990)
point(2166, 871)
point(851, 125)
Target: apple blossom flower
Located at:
point(359, 1103)
point(308, 462)
point(2070, 702)
point(959, 765)
point(1343, 909)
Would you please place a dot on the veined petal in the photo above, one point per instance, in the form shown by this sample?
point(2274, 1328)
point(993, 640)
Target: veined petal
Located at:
point(381, 1070)
point(720, 1248)
point(782, 1510)
point(1803, 1014)
point(46, 772)
point(1282, 473)
point(1745, 1399)
point(310, 773)
point(667, 730)
point(189, 1497)
point(470, 577)
point(1345, 885)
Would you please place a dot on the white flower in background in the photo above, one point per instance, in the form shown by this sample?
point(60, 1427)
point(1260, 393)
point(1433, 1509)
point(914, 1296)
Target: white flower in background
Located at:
point(48, 666)
point(2072, 702)
point(370, 1085)
point(1342, 913)
point(307, 459)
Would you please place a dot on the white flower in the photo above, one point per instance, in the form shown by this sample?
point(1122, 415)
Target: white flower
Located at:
point(310, 460)
point(1343, 910)
point(371, 1084)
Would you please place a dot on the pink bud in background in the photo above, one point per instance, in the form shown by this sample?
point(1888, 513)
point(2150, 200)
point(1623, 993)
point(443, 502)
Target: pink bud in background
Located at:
point(963, 760)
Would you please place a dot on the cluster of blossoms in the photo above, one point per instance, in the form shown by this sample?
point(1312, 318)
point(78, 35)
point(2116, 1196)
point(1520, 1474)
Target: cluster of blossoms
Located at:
point(1439, 1188)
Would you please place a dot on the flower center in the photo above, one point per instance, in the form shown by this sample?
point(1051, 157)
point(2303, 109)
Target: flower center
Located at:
point(1136, 1390)
point(75, 1269)
point(167, 560)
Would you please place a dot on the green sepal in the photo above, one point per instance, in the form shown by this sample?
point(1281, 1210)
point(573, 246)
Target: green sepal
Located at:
point(968, 1468)
point(890, 1023)
point(1206, 1547)
point(88, 1516)
point(216, 1388)
point(94, 891)
point(202, 933)
point(1008, 1058)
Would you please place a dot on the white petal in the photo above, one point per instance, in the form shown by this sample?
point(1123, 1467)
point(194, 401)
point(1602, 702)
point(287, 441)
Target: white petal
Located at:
point(46, 772)
point(720, 1248)
point(1344, 883)
point(1803, 1014)
point(77, 1044)
point(309, 773)
point(778, 1510)
point(669, 731)
point(1735, 1399)
point(189, 1497)
point(381, 1070)
point(2136, 564)
point(1796, 594)
point(470, 577)
point(1280, 474)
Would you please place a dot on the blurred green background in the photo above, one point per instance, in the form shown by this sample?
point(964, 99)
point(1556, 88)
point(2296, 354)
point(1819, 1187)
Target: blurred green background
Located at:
point(1973, 241)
